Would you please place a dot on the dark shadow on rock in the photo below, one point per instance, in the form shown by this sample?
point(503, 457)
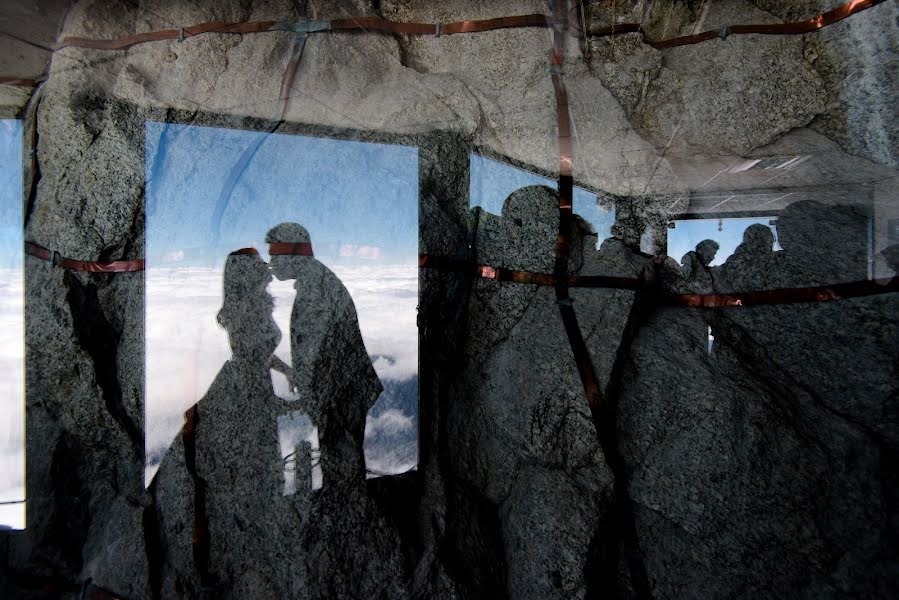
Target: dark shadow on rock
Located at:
point(222, 479)
point(348, 547)
point(530, 481)
point(797, 400)
point(695, 266)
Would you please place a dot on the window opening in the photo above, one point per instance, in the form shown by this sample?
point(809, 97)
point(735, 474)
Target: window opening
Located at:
point(685, 235)
point(493, 181)
point(12, 329)
point(358, 201)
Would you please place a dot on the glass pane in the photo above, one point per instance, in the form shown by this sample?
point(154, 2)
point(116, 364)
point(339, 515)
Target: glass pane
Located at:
point(727, 233)
point(307, 313)
point(12, 405)
point(493, 181)
point(212, 191)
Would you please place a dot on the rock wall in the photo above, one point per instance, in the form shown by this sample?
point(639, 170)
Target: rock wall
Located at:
point(760, 464)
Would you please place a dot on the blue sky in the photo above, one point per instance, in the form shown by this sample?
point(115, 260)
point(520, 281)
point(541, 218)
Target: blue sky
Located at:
point(10, 193)
point(358, 200)
point(493, 181)
point(686, 234)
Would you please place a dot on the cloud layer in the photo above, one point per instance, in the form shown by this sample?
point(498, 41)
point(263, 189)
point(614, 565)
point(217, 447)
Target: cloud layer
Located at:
point(12, 398)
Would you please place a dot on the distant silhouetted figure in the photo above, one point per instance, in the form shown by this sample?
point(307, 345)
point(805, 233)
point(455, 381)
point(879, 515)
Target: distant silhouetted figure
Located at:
point(334, 375)
point(822, 243)
point(695, 265)
point(890, 254)
point(523, 237)
point(758, 240)
point(702, 256)
point(507, 439)
point(750, 266)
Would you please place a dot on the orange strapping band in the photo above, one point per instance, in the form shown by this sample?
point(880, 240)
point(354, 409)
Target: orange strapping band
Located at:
point(534, 20)
point(807, 26)
point(166, 34)
point(285, 248)
point(17, 82)
point(452, 263)
point(472, 26)
point(582, 361)
point(352, 23)
point(824, 293)
point(460, 265)
point(115, 266)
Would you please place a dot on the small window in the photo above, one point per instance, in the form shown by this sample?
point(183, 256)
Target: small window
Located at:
point(493, 181)
point(684, 235)
point(12, 404)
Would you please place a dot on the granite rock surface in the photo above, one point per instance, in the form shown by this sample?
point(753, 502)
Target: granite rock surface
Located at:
point(761, 464)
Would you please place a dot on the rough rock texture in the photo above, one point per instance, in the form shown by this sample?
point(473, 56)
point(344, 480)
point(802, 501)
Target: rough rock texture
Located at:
point(730, 96)
point(534, 456)
point(743, 519)
point(860, 113)
point(764, 468)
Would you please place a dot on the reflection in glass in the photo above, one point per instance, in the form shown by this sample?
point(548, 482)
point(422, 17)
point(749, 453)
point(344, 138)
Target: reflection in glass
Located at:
point(12, 406)
point(728, 233)
point(493, 181)
point(211, 191)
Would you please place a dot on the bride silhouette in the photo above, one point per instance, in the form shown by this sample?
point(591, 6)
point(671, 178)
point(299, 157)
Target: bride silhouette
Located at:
point(222, 479)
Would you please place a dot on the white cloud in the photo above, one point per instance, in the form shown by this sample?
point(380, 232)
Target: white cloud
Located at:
point(12, 398)
point(12, 515)
point(174, 256)
point(389, 422)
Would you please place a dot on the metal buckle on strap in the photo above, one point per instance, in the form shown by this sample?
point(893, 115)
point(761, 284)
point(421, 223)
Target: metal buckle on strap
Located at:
point(301, 27)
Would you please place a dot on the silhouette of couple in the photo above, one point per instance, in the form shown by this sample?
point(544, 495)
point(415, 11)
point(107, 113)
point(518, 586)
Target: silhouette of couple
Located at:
point(330, 370)
point(219, 490)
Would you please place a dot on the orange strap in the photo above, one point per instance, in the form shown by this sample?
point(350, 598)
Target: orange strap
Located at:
point(450, 263)
point(352, 23)
point(589, 380)
point(167, 34)
point(807, 26)
point(17, 82)
point(472, 26)
point(115, 266)
point(285, 248)
point(824, 293)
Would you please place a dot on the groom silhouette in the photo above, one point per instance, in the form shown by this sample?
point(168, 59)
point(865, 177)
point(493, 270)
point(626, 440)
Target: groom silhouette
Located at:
point(334, 376)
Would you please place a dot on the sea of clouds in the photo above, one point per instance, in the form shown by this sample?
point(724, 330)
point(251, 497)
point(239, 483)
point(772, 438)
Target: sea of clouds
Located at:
point(12, 399)
point(186, 348)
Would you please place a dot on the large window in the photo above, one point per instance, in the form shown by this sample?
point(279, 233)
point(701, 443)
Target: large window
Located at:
point(212, 191)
